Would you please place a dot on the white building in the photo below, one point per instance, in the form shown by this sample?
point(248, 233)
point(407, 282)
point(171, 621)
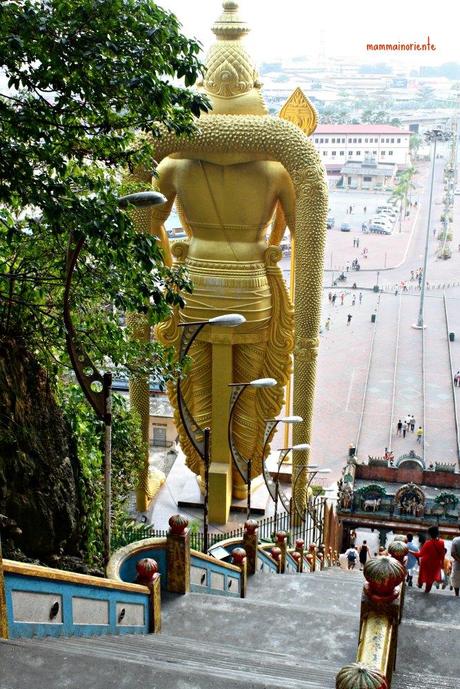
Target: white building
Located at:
point(342, 143)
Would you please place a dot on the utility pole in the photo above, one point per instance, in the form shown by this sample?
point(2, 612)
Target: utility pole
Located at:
point(432, 136)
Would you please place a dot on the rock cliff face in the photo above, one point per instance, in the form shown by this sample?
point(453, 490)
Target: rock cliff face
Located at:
point(37, 472)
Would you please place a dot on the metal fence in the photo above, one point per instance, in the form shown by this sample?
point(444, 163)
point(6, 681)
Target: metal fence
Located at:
point(311, 530)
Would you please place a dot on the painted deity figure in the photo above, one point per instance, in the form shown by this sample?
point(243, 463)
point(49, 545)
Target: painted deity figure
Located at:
point(235, 197)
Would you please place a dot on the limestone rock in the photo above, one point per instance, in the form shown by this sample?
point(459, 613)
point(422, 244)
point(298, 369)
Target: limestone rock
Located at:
point(38, 469)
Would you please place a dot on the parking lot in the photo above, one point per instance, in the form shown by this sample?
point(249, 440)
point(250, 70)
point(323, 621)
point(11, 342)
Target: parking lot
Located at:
point(363, 205)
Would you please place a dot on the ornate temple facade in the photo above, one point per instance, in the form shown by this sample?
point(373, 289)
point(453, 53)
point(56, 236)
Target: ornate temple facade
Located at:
point(401, 494)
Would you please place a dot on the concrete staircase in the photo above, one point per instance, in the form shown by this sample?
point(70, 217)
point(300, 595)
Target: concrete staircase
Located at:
point(429, 642)
point(292, 631)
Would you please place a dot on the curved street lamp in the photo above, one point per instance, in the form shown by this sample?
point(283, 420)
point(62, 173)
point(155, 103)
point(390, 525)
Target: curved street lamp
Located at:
point(313, 470)
point(244, 465)
point(275, 485)
point(97, 388)
point(200, 437)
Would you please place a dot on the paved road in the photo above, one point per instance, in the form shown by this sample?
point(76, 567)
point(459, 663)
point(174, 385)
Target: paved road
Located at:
point(344, 354)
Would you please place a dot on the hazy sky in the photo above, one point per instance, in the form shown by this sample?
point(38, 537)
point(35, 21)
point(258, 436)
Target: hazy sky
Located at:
point(291, 28)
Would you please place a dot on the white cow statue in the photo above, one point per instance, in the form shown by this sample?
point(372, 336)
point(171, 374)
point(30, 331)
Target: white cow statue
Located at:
point(372, 504)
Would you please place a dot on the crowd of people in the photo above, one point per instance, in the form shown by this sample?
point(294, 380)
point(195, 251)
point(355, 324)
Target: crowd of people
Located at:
point(406, 425)
point(435, 566)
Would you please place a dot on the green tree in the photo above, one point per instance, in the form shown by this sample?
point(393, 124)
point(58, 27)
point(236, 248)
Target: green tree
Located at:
point(90, 82)
point(415, 141)
point(89, 85)
point(402, 190)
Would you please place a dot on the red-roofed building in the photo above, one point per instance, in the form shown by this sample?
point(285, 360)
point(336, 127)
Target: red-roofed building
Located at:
point(342, 143)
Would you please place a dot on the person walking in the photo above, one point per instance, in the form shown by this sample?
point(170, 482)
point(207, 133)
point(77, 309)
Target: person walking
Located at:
point(455, 574)
point(353, 301)
point(404, 429)
point(351, 210)
point(328, 323)
point(349, 317)
point(446, 572)
point(412, 423)
point(399, 428)
point(360, 297)
point(342, 297)
point(330, 296)
point(411, 559)
point(457, 379)
point(363, 554)
point(431, 559)
point(419, 434)
point(348, 266)
point(334, 297)
point(351, 555)
point(365, 209)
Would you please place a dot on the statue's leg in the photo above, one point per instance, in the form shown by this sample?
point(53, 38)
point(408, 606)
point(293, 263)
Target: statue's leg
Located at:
point(248, 419)
point(196, 390)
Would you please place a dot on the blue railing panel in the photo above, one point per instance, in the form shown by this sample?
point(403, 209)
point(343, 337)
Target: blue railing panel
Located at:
point(213, 578)
point(46, 607)
point(128, 566)
point(265, 563)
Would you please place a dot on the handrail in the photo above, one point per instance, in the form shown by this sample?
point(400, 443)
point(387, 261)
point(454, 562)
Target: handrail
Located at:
point(381, 607)
point(119, 556)
point(208, 558)
point(26, 569)
point(452, 386)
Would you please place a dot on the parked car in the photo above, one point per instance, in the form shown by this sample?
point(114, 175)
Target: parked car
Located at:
point(380, 229)
point(330, 223)
point(345, 227)
point(382, 220)
point(388, 212)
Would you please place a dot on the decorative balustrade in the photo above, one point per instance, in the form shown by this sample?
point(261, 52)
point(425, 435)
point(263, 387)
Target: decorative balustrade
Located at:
point(381, 609)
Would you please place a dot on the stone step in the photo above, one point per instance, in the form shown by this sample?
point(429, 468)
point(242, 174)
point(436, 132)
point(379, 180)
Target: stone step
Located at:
point(159, 662)
point(316, 591)
point(267, 624)
point(414, 680)
point(429, 635)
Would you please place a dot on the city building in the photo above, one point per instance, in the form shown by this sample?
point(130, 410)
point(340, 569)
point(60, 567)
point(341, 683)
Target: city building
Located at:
point(338, 144)
point(367, 174)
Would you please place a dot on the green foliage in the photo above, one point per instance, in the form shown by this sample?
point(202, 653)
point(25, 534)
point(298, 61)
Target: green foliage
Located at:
point(448, 499)
point(127, 458)
point(87, 80)
point(371, 489)
point(317, 490)
point(88, 86)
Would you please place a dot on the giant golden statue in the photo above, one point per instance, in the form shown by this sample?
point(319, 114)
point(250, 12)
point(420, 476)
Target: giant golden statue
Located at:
point(237, 183)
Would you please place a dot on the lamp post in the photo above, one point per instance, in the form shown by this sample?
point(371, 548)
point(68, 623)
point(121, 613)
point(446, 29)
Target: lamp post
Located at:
point(97, 388)
point(283, 453)
point(307, 469)
point(432, 136)
point(244, 465)
point(200, 437)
